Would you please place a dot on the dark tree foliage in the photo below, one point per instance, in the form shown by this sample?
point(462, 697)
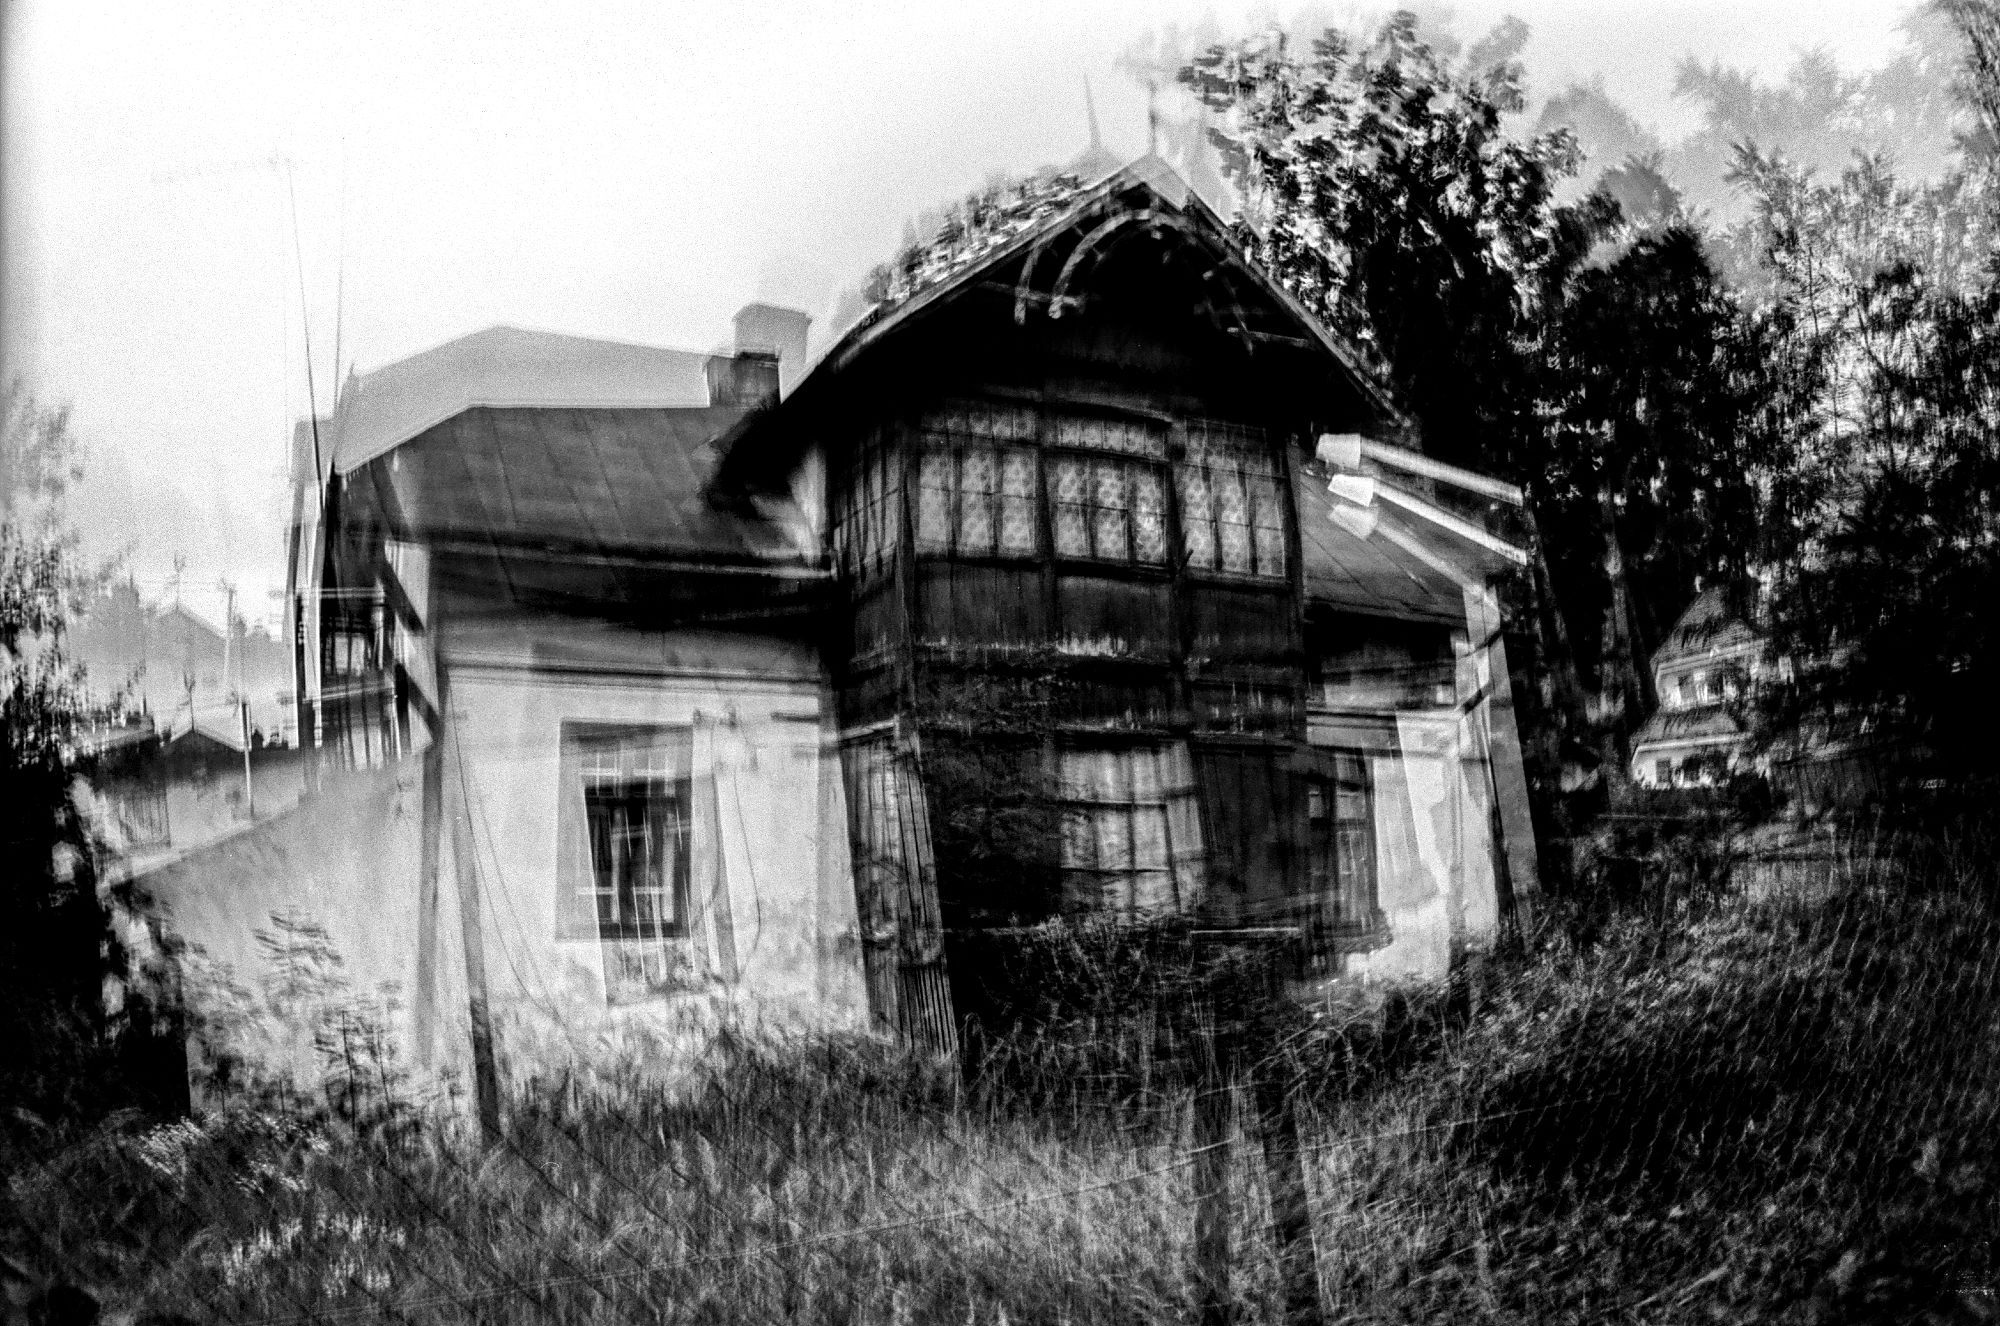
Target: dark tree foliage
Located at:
point(1883, 534)
point(62, 1051)
point(1379, 186)
point(1650, 442)
point(1590, 357)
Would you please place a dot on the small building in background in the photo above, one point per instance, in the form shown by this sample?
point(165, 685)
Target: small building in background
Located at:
point(162, 793)
point(1706, 672)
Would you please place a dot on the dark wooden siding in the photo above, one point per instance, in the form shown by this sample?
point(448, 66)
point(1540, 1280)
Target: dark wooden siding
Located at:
point(1254, 824)
point(1117, 616)
point(973, 605)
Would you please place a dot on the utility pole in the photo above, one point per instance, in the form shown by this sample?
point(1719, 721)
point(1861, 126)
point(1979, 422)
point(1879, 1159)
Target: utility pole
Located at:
point(249, 794)
point(242, 700)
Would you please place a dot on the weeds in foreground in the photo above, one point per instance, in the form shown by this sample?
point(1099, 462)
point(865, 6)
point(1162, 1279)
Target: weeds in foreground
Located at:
point(1764, 1110)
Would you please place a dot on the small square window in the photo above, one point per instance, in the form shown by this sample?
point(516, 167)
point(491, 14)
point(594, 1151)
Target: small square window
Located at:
point(623, 826)
point(637, 851)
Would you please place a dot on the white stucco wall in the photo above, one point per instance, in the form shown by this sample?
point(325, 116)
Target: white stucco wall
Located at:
point(348, 861)
point(310, 921)
point(777, 828)
point(1455, 786)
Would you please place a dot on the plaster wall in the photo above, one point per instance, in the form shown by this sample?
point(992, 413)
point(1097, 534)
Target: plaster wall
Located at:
point(307, 923)
point(777, 949)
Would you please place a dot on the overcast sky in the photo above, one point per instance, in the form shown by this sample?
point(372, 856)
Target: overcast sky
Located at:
point(635, 171)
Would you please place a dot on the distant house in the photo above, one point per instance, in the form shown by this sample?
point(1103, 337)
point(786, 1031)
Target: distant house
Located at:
point(1704, 672)
point(164, 660)
point(161, 793)
point(1085, 576)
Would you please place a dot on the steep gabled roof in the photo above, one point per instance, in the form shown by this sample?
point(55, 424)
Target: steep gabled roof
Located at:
point(1169, 201)
point(1708, 625)
point(1146, 196)
point(505, 366)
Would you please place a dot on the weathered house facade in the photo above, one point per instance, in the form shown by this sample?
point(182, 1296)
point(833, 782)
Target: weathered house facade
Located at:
point(1082, 578)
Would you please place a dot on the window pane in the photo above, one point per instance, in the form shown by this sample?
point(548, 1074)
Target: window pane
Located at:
point(1017, 502)
point(1149, 837)
point(1230, 506)
point(1113, 826)
point(1270, 552)
point(1071, 527)
point(1197, 516)
point(975, 496)
point(1269, 518)
point(632, 830)
point(1108, 518)
point(934, 502)
point(1145, 774)
point(1149, 517)
point(1235, 548)
point(1079, 840)
point(1130, 436)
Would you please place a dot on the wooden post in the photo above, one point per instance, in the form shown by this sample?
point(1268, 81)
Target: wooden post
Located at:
point(249, 792)
point(485, 1070)
point(1291, 1211)
point(1247, 990)
point(423, 1003)
point(1211, 1183)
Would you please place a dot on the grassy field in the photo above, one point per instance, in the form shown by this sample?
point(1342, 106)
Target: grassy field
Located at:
point(1782, 1109)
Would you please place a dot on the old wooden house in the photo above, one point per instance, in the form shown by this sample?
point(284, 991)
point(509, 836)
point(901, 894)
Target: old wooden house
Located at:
point(1085, 576)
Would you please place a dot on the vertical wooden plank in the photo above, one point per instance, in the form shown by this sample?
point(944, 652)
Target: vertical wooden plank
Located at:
point(423, 1012)
point(1520, 882)
point(1212, 1215)
point(861, 772)
point(926, 990)
point(1278, 1131)
point(485, 1069)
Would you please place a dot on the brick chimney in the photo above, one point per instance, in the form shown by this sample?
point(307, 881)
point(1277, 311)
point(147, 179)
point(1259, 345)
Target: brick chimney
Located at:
point(768, 329)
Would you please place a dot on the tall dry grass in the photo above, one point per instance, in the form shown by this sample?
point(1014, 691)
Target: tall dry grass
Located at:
point(1780, 1108)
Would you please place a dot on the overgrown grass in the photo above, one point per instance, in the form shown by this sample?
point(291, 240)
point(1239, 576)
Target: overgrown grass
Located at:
point(1781, 1109)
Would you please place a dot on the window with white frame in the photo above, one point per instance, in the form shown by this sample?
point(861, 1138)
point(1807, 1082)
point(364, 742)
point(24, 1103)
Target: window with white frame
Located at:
point(1132, 844)
point(623, 828)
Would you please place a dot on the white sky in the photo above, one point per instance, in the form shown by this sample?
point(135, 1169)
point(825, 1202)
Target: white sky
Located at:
point(635, 171)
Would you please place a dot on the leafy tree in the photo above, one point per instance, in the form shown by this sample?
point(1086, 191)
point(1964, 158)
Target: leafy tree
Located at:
point(1559, 344)
point(1882, 317)
point(59, 1056)
point(1650, 442)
